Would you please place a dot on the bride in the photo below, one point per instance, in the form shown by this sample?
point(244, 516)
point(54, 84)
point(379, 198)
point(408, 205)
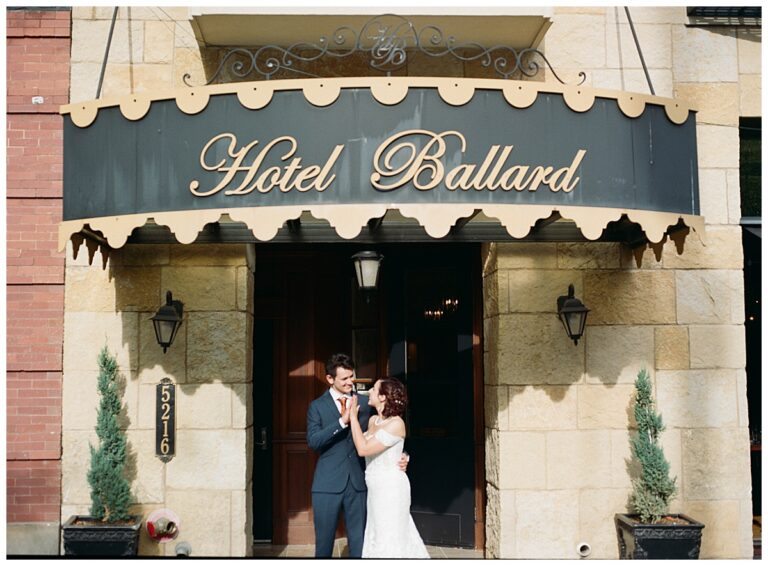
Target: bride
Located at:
point(389, 529)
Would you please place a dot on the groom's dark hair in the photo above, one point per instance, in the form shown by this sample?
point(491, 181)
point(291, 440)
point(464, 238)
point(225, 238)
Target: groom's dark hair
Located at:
point(338, 361)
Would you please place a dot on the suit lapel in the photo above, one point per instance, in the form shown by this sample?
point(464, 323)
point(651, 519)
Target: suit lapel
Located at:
point(331, 405)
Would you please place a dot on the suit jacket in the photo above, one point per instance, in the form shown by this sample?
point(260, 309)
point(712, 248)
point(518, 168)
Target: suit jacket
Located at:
point(338, 460)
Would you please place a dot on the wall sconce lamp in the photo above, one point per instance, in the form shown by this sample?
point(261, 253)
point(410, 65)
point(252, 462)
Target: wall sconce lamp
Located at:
point(367, 265)
point(573, 315)
point(167, 320)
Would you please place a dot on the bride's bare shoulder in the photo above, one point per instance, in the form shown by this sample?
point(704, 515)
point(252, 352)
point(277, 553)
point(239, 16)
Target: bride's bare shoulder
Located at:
point(396, 426)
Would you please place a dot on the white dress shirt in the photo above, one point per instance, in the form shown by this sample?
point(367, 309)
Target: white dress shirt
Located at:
point(336, 396)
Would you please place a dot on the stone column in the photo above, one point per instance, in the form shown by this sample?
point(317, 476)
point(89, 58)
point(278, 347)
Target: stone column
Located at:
point(208, 482)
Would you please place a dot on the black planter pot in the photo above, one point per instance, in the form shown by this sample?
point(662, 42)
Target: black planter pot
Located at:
point(643, 541)
point(101, 540)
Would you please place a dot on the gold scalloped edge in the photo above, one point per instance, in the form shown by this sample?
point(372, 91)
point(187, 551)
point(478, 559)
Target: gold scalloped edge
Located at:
point(386, 90)
point(348, 220)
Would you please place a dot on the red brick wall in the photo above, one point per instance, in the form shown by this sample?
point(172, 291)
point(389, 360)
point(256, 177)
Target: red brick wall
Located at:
point(38, 50)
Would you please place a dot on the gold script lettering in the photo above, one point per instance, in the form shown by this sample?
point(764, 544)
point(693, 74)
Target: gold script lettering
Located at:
point(286, 178)
point(398, 161)
point(415, 163)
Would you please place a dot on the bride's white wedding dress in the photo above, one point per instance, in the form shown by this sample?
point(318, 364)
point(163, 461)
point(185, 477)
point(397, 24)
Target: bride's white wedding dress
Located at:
point(389, 529)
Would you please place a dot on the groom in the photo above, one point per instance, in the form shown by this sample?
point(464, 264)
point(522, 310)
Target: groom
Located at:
point(339, 477)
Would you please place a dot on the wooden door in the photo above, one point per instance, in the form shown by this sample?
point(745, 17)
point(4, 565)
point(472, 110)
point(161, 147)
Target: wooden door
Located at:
point(305, 297)
point(306, 308)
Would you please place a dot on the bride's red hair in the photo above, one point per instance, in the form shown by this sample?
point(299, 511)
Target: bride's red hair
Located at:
point(397, 399)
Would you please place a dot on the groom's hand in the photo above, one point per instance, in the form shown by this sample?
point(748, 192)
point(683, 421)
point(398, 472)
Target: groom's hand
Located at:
point(403, 462)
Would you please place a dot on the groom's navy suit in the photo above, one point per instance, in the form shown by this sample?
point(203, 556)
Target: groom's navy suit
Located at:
point(339, 475)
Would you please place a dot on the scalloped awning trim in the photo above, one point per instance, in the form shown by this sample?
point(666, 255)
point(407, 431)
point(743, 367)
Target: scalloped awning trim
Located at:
point(387, 90)
point(348, 220)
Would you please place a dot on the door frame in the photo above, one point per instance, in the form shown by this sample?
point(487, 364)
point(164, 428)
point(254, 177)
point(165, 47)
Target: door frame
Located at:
point(477, 377)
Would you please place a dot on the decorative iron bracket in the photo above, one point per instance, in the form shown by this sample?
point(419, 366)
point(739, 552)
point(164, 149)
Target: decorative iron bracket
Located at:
point(386, 40)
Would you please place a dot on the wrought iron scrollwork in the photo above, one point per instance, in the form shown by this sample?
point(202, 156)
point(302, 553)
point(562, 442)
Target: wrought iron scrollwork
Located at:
point(387, 40)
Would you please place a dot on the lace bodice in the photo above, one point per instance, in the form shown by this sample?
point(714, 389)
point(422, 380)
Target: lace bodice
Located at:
point(387, 460)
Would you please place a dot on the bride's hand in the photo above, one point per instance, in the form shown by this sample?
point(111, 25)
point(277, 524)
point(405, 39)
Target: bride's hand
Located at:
point(354, 408)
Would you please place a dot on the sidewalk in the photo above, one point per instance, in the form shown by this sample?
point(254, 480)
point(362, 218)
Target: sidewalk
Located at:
point(340, 550)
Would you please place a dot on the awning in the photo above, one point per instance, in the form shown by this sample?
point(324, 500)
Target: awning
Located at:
point(449, 154)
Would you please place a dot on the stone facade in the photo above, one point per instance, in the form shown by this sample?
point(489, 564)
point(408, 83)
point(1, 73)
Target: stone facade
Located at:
point(208, 483)
point(557, 417)
point(558, 421)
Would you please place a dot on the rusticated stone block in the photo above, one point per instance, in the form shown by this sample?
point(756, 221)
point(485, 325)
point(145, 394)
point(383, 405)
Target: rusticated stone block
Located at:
point(75, 456)
point(580, 42)
point(717, 346)
point(741, 397)
point(85, 333)
point(623, 469)
point(549, 407)
point(522, 460)
point(491, 292)
point(117, 288)
point(537, 290)
point(698, 398)
point(698, 55)
point(492, 456)
point(671, 347)
point(621, 50)
point(717, 146)
point(728, 531)
point(204, 406)
point(615, 354)
point(144, 469)
point(717, 103)
point(713, 196)
point(750, 95)
point(158, 42)
point(722, 251)
point(547, 523)
point(202, 288)
point(507, 523)
point(217, 347)
point(578, 459)
point(710, 296)
point(241, 527)
point(142, 255)
point(80, 400)
point(592, 255)
point(526, 256)
point(488, 257)
point(534, 350)
point(630, 297)
point(208, 459)
point(716, 464)
point(492, 522)
point(605, 407)
point(198, 526)
point(208, 255)
point(242, 404)
point(734, 197)
point(748, 46)
point(245, 290)
point(596, 510)
point(496, 407)
point(148, 77)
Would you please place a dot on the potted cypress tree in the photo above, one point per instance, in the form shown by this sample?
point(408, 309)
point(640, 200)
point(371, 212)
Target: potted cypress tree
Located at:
point(651, 531)
point(109, 530)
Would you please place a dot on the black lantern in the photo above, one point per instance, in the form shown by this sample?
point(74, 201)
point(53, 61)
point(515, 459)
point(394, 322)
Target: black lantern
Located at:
point(167, 321)
point(573, 315)
point(367, 269)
